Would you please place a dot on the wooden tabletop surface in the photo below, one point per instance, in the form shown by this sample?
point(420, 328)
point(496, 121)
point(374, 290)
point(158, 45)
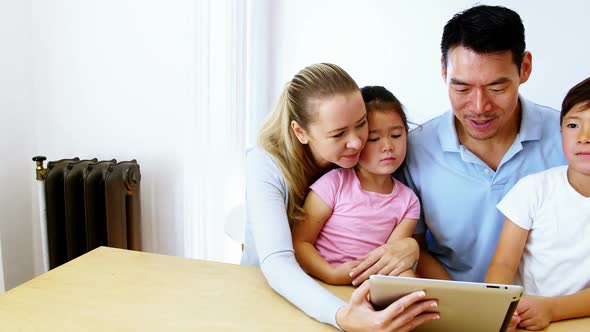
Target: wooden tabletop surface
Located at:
point(121, 290)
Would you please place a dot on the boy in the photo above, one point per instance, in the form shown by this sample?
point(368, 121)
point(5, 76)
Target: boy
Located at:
point(546, 232)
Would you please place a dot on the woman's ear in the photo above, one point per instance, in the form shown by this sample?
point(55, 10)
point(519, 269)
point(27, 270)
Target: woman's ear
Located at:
point(299, 132)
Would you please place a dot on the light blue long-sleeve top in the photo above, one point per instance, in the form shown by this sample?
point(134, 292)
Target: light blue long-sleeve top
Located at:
point(268, 241)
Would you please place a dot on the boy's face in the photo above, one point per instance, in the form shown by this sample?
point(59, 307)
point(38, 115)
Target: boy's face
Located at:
point(386, 147)
point(575, 137)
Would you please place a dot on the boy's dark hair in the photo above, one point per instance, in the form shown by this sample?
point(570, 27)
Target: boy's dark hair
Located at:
point(580, 93)
point(485, 29)
point(378, 98)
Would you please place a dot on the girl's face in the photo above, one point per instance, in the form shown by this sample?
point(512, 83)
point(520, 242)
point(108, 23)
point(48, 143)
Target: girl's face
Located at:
point(386, 146)
point(339, 130)
point(575, 138)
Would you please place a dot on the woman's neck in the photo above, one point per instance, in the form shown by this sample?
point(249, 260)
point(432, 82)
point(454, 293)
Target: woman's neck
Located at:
point(379, 183)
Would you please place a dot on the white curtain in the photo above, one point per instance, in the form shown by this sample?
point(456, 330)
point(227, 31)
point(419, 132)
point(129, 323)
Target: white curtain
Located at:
point(230, 103)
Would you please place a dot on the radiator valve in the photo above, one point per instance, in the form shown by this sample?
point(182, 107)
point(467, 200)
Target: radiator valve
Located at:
point(41, 172)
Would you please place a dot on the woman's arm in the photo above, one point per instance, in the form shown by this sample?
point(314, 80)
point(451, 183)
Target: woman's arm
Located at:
point(304, 238)
point(266, 199)
point(508, 253)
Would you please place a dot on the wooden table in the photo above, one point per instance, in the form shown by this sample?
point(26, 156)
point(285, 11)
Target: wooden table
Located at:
point(120, 290)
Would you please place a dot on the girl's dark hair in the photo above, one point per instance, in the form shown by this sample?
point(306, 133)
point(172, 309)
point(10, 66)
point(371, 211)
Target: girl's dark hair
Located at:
point(580, 93)
point(378, 98)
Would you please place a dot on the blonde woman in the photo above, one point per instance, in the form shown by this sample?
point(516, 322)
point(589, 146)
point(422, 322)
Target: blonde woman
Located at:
point(320, 123)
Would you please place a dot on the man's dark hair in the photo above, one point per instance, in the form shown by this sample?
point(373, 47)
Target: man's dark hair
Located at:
point(485, 29)
point(580, 93)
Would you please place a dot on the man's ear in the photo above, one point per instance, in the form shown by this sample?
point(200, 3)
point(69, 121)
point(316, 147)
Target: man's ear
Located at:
point(299, 132)
point(527, 67)
point(443, 68)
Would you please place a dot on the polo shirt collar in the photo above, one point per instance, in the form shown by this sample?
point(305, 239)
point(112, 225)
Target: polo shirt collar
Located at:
point(447, 133)
point(531, 127)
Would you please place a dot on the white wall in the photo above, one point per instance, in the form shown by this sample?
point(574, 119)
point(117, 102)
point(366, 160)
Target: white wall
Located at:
point(396, 44)
point(2, 286)
point(104, 79)
point(117, 79)
point(16, 140)
point(114, 79)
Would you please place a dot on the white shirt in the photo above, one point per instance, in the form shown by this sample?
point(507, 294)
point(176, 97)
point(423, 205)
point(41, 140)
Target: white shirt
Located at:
point(556, 256)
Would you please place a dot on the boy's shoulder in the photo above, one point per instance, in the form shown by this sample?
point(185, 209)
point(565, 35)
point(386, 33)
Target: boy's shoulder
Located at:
point(545, 178)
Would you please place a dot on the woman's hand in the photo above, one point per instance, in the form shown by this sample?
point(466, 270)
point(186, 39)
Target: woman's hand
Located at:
point(388, 259)
point(403, 315)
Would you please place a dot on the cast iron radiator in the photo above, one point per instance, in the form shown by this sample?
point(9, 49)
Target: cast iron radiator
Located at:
point(90, 203)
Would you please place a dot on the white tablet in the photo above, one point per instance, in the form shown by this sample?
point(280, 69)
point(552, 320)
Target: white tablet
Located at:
point(463, 306)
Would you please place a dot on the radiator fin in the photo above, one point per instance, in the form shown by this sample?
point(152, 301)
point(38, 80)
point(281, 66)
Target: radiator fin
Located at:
point(91, 203)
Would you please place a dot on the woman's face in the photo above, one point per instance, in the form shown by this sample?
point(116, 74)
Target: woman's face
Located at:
point(338, 131)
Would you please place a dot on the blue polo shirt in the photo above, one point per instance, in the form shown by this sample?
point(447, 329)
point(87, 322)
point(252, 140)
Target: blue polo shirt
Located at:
point(459, 192)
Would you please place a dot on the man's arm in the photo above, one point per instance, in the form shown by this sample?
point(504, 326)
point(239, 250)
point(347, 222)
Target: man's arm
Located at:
point(428, 266)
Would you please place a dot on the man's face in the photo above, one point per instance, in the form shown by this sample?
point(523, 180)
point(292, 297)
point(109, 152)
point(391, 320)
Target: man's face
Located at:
point(483, 90)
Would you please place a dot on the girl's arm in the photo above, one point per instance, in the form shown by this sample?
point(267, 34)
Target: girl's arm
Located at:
point(508, 253)
point(404, 229)
point(305, 235)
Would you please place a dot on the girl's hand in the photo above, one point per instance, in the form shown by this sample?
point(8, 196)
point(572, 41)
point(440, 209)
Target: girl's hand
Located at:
point(403, 315)
point(388, 259)
point(535, 312)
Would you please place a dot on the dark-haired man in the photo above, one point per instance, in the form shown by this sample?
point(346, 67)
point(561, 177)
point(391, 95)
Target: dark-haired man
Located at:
point(463, 162)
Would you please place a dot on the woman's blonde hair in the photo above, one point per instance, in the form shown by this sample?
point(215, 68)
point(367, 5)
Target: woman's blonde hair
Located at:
point(313, 83)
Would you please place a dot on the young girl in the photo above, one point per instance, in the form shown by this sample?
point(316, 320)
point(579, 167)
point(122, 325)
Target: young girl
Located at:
point(547, 228)
point(351, 211)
